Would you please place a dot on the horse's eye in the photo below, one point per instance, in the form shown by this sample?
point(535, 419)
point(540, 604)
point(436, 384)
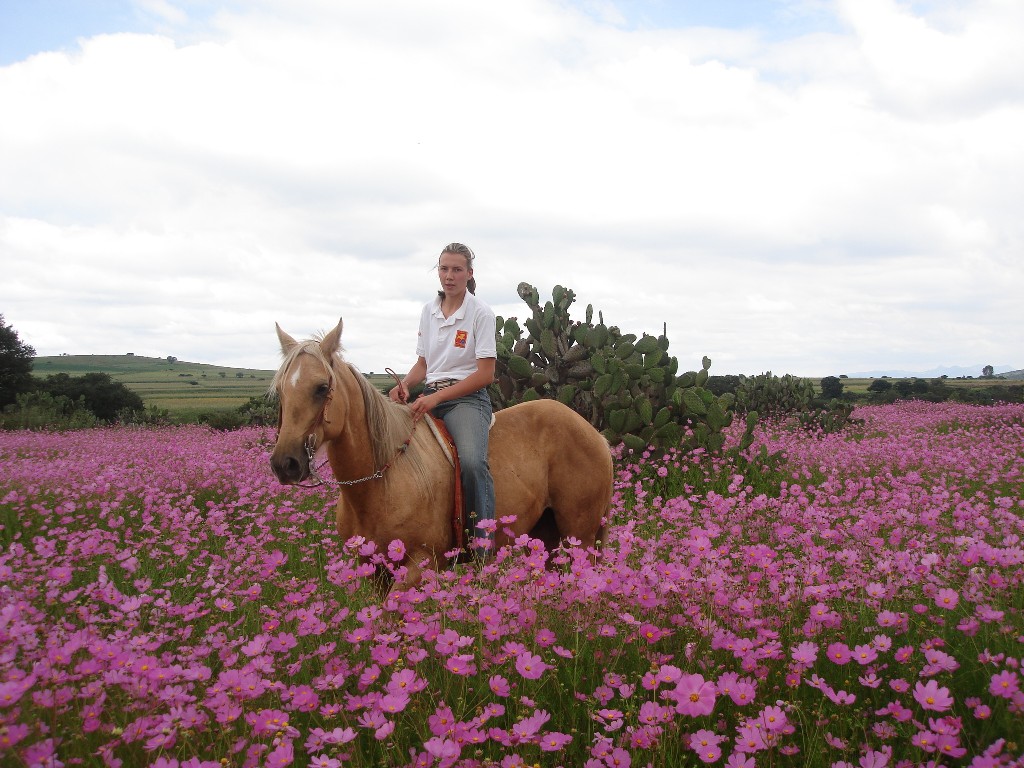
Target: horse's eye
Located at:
point(323, 389)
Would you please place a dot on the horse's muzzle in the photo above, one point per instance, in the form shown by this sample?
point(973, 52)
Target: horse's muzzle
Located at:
point(290, 468)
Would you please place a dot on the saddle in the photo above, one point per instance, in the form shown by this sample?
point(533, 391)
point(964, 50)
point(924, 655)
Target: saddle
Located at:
point(458, 516)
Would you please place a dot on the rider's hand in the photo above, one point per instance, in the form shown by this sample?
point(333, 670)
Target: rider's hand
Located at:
point(399, 393)
point(422, 405)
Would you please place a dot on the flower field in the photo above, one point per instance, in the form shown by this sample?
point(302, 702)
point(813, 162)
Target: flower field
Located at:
point(852, 599)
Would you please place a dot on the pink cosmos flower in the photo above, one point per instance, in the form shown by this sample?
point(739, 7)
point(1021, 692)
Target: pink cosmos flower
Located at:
point(446, 751)
point(499, 686)
point(949, 745)
point(461, 664)
point(1004, 684)
point(280, 756)
point(839, 653)
point(406, 680)
point(933, 697)
point(393, 702)
point(773, 719)
point(694, 696)
point(873, 759)
point(840, 697)
point(744, 691)
point(705, 744)
point(396, 551)
point(750, 738)
point(530, 726)
point(806, 653)
point(268, 721)
point(554, 741)
point(740, 760)
point(545, 637)
point(924, 740)
point(947, 598)
point(530, 665)
point(864, 654)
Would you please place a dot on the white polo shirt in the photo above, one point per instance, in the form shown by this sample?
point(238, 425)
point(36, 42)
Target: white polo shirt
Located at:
point(451, 346)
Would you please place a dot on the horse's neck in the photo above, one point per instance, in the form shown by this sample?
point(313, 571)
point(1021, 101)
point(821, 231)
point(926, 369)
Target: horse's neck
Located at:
point(356, 451)
point(350, 451)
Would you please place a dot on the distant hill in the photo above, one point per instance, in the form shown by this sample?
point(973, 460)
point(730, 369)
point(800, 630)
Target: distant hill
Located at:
point(166, 383)
point(952, 371)
point(175, 385)
point(76, 365)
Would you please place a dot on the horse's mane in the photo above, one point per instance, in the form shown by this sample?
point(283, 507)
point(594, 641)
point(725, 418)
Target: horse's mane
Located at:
point(389, 425)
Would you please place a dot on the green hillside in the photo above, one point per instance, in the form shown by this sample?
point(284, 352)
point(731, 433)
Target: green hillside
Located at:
point(183, 389)
point(178, 387)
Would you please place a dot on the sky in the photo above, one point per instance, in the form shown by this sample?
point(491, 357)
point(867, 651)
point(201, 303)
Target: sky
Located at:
point(814, 187)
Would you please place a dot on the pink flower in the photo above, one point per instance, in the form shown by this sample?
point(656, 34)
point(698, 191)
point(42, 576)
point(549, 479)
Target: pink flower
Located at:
point(773, 719)
point(461, 664)
point(445, 750)
point(530, 666)
point(874, 759)
point(1004, 684)
point(268, 721)
point(740, 760)
point(839, 653)
point(530, 726)
point(396, 551)
point(554, 741)
point(806, 653)
point(281, 756)
point(931, 696)
point(694, 696)
point(864, 654)
point(705, 744)
point(947, 598)
point(499, 686)
point(743, 693)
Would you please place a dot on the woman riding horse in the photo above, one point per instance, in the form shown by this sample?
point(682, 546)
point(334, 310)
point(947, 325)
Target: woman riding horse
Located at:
point(455, 355)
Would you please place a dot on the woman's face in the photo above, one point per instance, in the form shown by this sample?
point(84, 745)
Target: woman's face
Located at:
point(454, 273)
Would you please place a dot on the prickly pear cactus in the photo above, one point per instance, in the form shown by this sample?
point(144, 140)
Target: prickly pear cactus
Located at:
point(627, 387)
point(772, 396)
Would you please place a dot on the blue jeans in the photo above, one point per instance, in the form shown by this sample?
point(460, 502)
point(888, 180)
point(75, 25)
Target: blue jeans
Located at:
point(468, 419)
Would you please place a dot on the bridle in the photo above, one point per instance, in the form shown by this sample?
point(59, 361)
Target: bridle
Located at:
point(310, 444)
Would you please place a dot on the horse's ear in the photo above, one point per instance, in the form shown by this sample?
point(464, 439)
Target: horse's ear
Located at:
point(287, 342)
point(332, 341)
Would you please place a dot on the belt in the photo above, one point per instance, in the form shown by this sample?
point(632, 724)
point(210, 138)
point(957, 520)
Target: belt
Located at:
point(442, 383)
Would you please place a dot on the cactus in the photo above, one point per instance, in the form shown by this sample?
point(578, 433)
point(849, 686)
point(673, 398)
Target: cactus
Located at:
point(772, 396)
point(627, 387)
point(790, 396)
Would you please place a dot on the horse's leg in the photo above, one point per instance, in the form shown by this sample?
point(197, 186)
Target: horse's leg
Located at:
point(582, 497)
point(413, 570)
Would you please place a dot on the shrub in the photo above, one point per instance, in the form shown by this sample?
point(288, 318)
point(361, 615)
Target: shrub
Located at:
point(41, 410)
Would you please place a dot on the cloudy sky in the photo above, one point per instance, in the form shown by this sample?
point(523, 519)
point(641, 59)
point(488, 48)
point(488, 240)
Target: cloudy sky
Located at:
point(806, 186)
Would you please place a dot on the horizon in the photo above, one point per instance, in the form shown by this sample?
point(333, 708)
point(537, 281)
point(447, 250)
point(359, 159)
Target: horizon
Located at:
point(887, 373)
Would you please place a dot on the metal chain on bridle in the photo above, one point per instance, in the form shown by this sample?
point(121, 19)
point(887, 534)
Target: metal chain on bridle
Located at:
point(311, 446)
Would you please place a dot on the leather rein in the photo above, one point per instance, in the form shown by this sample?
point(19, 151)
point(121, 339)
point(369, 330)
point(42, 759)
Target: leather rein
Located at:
point(310, 445)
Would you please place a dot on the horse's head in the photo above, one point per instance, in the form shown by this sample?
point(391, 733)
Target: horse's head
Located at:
point(304, 384)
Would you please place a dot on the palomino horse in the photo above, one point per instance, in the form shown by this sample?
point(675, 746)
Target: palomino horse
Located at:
point(552, 470)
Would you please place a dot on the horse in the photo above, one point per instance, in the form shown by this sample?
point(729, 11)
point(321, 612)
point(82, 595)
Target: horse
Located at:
point(552, 469)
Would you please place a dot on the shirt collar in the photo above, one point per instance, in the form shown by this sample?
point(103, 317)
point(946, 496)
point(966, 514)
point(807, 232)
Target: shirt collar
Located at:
point(458, 314)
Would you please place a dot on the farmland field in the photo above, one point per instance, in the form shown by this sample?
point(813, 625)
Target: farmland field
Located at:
point(181, 388)
point(841, 600)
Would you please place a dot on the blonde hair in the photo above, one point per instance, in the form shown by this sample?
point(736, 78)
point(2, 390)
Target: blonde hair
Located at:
point(461, 250)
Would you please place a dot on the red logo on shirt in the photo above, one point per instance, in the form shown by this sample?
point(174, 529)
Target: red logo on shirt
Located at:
point(460, 339)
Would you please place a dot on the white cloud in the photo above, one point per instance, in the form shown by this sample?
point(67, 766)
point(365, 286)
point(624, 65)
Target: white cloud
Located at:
point(780, 203)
